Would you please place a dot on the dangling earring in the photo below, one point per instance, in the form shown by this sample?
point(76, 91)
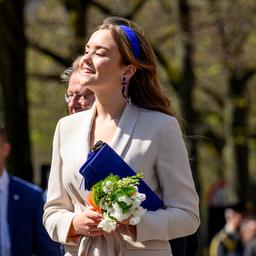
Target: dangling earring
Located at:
point(124, 84)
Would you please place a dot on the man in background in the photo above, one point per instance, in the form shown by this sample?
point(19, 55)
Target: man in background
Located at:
point(248, 236)
point(77, 97)
point(21, 210)
point(227, 242)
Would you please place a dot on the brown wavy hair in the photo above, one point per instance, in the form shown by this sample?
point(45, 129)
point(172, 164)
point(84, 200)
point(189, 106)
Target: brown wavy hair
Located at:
point(144, 88)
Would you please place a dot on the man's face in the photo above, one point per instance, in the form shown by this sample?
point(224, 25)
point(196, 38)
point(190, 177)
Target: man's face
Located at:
point(4, 152)
point(79, 97)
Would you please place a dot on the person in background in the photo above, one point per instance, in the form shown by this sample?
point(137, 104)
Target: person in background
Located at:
point(120, 67)
point(227, 242)
point(248, 236)
point(77, 97)
point(21, 210)
point(217, 199)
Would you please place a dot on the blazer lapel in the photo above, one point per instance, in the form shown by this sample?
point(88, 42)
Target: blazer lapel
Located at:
point(121, 136)
point(125, 129)
point(82, 144)
point(83, 133)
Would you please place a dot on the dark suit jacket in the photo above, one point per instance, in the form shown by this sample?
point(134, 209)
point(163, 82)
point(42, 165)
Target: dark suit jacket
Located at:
point(25, 210)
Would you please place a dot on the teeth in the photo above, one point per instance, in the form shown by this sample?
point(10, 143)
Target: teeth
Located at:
point(86, 70)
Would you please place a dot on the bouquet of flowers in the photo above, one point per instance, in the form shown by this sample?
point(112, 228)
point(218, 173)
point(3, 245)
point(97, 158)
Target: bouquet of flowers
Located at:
point(117, 199)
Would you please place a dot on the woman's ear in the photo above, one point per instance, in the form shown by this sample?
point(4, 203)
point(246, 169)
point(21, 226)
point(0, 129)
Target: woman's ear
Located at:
point(129, 71)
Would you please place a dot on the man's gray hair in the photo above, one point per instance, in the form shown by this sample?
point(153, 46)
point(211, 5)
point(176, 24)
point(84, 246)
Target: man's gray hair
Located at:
point(65, 76)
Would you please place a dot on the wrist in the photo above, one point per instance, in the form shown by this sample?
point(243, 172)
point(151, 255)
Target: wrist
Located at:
point(72, 231)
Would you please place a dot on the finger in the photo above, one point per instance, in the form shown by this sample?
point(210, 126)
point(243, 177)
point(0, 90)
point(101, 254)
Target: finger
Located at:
point(92, 224)
point(91, 213)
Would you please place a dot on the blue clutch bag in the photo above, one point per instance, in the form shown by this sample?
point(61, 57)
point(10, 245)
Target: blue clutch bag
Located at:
point(103, 160)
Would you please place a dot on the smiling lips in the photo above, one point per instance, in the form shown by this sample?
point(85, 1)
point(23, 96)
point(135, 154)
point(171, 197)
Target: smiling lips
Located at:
point(87, 70)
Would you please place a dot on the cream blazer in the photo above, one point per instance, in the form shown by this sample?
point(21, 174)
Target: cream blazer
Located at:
point(147, 140)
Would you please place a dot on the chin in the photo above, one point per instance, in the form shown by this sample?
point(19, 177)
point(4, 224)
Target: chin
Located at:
point(85, 79)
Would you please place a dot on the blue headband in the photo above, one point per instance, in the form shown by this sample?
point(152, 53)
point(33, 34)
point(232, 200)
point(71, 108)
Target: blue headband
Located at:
point(132, 38)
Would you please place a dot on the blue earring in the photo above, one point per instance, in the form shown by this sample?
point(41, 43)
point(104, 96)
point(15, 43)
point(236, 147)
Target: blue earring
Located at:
point(124, 84)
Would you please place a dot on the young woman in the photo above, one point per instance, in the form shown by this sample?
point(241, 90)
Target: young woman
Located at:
point(132, 115)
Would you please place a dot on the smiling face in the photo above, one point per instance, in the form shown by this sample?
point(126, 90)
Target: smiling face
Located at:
point(100, 67)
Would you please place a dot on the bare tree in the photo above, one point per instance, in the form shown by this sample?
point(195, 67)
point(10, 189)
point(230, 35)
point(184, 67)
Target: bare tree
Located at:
point(233, 35)
point(186, 82)
point(14, 88)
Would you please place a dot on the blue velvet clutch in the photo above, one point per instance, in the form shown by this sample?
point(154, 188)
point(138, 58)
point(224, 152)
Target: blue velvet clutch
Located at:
point(103, 160)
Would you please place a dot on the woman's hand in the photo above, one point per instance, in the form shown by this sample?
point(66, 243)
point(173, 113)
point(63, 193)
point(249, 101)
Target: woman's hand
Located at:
point(86, 224)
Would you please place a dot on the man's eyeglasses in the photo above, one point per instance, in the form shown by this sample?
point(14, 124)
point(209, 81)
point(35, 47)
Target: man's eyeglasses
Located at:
point(79, 98)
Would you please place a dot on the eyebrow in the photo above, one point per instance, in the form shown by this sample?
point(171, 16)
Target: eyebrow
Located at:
point(98, 47)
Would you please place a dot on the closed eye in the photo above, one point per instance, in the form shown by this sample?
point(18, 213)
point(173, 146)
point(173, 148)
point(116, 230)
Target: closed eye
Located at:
point(97, 50)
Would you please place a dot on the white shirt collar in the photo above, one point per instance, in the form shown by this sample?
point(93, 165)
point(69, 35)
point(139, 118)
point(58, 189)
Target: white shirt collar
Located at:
point(4, 181)
point(4, 229)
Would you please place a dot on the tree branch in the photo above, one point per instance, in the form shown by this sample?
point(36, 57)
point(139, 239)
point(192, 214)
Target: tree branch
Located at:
point(103, 8)
point(45, 77)
point(213, 95)
point(66, 62)
point(170, 73)
point(137, 7)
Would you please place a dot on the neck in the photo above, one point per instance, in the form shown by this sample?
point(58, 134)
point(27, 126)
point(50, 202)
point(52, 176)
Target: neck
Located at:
point(230, 228)
point(110, 107)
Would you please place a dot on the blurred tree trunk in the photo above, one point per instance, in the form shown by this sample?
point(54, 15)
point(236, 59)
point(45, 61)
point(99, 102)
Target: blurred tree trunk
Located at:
point(238, 90)
point(187, 84)
point(77, 10)
point(238, 76)
point(13, 84)
point(184, 85)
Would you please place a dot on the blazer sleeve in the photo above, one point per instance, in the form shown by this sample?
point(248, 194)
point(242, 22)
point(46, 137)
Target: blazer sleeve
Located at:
point(58, 210)
point(181, 214)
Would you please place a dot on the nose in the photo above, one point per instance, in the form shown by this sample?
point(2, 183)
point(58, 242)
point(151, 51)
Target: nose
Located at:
point(87, 58)
point(73, 105)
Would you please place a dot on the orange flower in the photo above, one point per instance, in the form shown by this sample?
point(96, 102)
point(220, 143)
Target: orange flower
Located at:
point(92, 203)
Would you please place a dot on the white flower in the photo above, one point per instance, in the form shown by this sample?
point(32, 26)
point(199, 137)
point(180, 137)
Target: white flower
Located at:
point(118, 214)
point(139, 211)
point(134, 220)
point(107, 186)
point(117, 208)
point(103, 204)
point(138, 198)
point(125, 199)
point(136, 215)
point(107, 224)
